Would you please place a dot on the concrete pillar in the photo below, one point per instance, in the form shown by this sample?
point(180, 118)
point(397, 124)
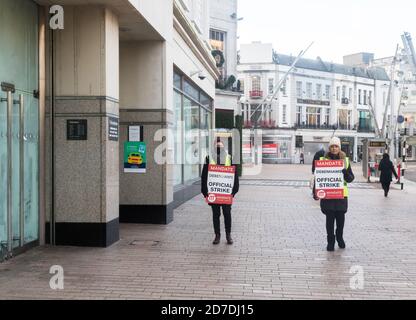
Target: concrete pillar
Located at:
point(145, 99)
point(86, 82)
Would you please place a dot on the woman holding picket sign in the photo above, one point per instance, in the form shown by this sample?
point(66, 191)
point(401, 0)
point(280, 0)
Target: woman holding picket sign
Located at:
point(335, 209)
point(221, 158)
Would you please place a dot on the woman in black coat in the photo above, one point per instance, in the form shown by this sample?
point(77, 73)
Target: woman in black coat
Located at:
point(335, 209)
point(221, 156)
point(387, 170)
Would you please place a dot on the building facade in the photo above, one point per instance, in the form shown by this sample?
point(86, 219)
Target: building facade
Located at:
point(76, 93)
point(223, 40)
point(317, 100)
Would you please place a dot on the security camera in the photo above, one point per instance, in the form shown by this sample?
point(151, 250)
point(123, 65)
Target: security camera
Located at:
point(201, 75)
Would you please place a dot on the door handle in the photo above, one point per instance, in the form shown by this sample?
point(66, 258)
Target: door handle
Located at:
point(21, 175)
point(9, 171)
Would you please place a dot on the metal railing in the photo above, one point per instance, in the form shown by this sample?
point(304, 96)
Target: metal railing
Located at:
point(365, 129)
point(313, 126)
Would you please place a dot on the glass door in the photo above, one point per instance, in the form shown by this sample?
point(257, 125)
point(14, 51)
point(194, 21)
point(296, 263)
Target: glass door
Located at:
point(19, 139)
point(19, 125)
point(3, 176)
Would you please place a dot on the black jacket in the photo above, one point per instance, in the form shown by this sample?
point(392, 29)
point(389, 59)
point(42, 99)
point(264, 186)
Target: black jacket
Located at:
point(204, 180)
point(317, 156)
point(387, 170)
point(338, 205)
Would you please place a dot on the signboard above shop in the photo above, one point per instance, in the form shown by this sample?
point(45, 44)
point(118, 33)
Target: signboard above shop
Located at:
point(314, 102)
point(377, 144)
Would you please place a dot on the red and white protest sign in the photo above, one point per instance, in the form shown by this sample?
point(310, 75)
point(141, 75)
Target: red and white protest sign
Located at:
point(220, 184)
point(329, 179)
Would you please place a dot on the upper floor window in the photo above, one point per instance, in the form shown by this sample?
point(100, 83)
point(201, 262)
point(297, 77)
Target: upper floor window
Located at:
point(344, 119)
point(327, 117)
point(271, 86)
point(328, 92)
point(299, 89)
point(309, 90)
point(365, 97)
point(284, 114)
point(217, 40)
point(313, 116)
point(319, 91)
point(283, 89)
point(256, 83)
point(299, 118)
point(359, 96)
point(344, 92)
point(338, 93)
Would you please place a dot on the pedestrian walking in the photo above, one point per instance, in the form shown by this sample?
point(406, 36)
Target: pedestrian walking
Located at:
point(221, 158)
point(335, 209)
point(302, 158)
point(318, 155)
point(386, 176)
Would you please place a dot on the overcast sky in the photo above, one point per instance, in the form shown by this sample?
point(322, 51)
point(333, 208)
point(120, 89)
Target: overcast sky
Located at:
point(337, 27)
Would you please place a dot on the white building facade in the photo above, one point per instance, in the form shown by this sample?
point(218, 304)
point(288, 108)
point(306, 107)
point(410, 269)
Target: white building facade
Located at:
point(317, 100)
point(223, 40)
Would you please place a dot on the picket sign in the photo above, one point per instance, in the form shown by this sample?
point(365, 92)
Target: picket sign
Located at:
point(220, 184)
point(329, 179)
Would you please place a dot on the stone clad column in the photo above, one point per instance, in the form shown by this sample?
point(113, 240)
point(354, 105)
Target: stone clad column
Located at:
point(146, 96)
point(86, 93)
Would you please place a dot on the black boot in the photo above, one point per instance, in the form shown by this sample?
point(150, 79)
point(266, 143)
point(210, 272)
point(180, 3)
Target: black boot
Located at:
point(331, 243)
point(340, 240)
point(229, 239)
point(217, 239)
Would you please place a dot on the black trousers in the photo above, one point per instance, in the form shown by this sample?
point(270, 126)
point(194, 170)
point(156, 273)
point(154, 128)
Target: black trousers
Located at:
point(216, 214)
point(331, 217)
point(386, 187)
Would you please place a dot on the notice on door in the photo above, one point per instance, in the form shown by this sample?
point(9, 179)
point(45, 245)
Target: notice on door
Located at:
point(220, 184)
point(329, 179)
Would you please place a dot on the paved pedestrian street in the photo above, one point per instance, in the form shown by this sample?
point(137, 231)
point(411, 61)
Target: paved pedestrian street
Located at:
point(279, 252)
